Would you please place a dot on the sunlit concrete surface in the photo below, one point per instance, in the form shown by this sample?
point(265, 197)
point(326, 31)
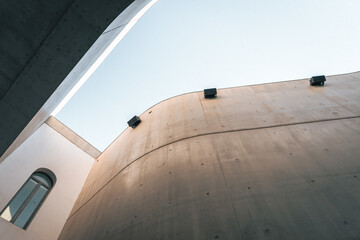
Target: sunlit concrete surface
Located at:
point(45, 49)
point(269, 161)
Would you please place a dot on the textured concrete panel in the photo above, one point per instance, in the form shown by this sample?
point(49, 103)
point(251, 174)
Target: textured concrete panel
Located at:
point(239, 108)
point(290, 182)
point(271, 161)
point(295, 182)
point(156, 197)
point(24, 26)
point(10, 114)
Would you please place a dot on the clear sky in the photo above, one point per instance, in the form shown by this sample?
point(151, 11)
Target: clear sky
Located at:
point(189, 45)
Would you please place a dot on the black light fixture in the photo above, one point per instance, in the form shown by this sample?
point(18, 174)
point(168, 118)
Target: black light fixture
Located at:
point(210, 93)
point(317, 80)
point(134, 122)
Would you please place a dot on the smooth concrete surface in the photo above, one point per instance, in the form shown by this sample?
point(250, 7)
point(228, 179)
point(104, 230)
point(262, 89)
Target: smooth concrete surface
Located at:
point(47, 149)
point(46, 47)
point(270, 161)
point(239, 108)
point(72, 137)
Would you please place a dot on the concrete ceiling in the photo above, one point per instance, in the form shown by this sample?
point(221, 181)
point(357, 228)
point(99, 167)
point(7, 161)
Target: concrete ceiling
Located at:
point(41, 45)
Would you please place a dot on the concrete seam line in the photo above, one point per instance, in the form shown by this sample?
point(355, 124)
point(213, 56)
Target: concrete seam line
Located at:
point(226, 182)
point(114, 28)
point(207, 134)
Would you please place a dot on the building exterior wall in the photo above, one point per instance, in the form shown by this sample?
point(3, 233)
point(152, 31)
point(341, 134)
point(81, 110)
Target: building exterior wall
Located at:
point(271, 161)
point(46, 148)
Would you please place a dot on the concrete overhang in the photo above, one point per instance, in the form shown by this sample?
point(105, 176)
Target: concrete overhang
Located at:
point(46, 47)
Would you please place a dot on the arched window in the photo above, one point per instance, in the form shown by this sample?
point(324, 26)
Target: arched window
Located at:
point(26, 202)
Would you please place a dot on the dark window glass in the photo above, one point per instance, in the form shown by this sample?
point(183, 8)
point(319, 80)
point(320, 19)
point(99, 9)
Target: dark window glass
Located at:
point(27, 200)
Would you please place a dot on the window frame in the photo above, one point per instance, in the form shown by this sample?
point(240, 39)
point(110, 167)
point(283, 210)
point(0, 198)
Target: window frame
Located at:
point(29, 197)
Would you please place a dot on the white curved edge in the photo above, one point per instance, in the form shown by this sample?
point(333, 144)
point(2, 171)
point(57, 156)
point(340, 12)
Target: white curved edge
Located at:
point(102, 57)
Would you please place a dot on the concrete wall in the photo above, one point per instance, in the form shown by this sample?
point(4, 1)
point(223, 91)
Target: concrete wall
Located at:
point(46, 148)
point(271, 161)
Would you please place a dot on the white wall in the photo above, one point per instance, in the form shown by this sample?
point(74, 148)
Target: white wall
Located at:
point(46, 148)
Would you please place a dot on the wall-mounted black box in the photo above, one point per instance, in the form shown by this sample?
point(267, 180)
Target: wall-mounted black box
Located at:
point(317, 80)
point(134, 122)
point(210, 93)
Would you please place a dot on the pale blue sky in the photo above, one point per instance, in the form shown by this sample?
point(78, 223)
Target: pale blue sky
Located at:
point(189, 45)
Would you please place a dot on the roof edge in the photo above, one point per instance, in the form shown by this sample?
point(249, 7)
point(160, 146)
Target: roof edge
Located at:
point(74, 138)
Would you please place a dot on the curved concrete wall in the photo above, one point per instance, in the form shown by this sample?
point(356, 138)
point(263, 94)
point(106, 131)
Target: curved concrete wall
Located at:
point(272, 161)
